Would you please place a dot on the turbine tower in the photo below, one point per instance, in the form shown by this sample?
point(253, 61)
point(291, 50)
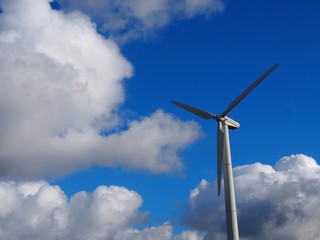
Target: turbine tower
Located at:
point(225, 123)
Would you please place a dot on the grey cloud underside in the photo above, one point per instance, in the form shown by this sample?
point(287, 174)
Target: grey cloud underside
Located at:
point(273, 203)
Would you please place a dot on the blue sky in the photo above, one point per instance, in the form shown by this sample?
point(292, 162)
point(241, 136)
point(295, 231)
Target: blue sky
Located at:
point(207, 63)
point(205, 58)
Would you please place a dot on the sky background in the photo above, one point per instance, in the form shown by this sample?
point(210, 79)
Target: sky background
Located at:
point(93, 148)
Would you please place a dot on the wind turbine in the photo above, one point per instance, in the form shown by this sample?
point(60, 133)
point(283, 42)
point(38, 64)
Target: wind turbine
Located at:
point(223, 153)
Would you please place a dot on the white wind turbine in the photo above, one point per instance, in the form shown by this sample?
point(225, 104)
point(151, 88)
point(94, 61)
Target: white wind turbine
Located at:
point(224, 154)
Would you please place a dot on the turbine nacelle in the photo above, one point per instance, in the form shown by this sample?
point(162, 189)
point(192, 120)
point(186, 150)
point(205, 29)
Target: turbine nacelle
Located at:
point(232, 124)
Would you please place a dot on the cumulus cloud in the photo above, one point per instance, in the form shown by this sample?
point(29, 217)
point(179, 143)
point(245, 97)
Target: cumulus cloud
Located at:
point(163, 232)
point(279, 202)
point(37, 209)
point(61, 85)
point(126, 19)
point(32, 210)
point(189, 235)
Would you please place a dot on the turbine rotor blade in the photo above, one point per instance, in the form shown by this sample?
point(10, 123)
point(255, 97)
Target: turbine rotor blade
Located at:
point(220, 154)
point(204, 114)
point(247, 91)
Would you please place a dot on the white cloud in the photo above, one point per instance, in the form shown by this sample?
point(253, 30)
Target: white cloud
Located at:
point(32, 210)
point(192, 8)
point(273, 203)
point(37, 209)
point(126, 19)
point(60, 87)
point(188, 235)
point(163, 232)
point(278, 202)
point(152, 142)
